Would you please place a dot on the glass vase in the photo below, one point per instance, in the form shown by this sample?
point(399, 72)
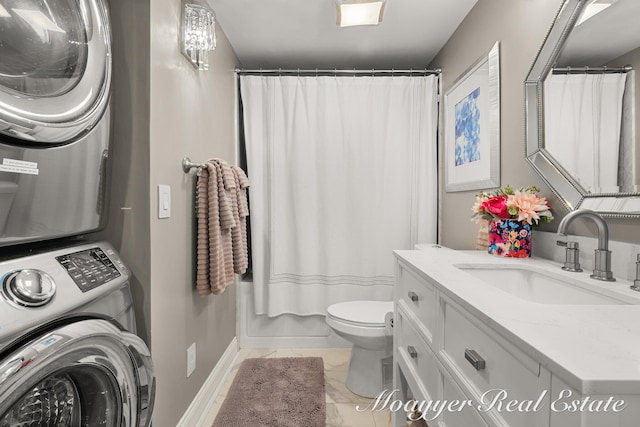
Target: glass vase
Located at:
point(510, 238)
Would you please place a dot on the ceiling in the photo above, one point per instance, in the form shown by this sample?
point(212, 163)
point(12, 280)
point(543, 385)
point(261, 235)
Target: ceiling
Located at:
point(603, 38)
point(292, 34)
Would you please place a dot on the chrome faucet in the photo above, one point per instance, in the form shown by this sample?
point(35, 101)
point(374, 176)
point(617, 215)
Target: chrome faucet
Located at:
point(602, 266)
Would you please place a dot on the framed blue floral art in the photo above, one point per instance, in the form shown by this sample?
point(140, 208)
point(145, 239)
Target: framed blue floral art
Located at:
point(472, 126)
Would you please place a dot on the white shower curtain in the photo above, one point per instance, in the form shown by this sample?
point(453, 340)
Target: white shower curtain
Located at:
point(583, 117)
point(343, 171)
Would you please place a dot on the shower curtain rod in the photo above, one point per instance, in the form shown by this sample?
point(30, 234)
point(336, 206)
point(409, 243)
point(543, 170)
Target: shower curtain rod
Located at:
point(336, 72)
point(594, 70)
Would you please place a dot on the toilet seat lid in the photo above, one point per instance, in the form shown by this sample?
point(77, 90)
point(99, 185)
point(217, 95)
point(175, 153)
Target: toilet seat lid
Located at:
point(370, 313)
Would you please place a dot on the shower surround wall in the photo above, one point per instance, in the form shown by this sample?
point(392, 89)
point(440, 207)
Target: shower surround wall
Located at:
point(285, 331)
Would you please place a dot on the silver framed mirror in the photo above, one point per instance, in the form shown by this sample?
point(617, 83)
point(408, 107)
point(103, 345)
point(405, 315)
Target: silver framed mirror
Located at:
point(582, 108)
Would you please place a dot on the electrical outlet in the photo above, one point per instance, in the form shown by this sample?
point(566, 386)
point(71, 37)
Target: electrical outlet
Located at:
point(191, 359)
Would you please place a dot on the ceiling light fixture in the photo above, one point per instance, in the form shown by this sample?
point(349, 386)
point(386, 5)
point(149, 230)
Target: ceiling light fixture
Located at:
point(593, 8)
point(359, 12)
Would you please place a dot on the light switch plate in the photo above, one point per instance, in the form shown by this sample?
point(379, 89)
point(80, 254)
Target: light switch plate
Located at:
point(164, 201)
point(191, 359)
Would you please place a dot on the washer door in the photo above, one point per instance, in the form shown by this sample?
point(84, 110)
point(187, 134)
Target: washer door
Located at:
point(55, 71)
point(85, 374)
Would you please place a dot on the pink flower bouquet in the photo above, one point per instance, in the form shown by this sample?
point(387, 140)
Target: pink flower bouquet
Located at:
point(511, 215)
point(506, 203)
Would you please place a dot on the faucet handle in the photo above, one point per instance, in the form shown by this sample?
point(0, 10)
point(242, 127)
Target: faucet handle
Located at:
point(572, 255)
point(569, 244)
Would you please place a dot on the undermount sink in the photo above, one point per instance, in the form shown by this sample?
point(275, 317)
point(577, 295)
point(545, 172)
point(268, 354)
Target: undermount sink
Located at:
point(537, 285)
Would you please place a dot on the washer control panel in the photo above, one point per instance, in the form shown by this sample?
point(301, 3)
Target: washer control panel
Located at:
point(89, 268)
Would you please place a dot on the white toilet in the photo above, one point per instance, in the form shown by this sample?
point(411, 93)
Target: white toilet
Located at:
point(363, 324)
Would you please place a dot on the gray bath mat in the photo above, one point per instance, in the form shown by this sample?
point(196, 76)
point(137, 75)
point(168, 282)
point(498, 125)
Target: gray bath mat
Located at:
point(276, 392)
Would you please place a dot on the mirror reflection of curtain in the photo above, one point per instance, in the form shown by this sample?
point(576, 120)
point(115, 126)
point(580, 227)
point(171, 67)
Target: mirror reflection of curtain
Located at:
point(343, 171)
point(583, 116)
point(628, 173)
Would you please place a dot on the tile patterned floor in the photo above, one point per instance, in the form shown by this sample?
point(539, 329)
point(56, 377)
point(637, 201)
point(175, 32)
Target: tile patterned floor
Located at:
point(341, 403)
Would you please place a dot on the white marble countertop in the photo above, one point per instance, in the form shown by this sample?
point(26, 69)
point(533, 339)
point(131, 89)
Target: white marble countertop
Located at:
point(594, 348)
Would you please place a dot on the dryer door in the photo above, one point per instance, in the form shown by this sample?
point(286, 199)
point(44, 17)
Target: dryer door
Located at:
point(55, 70)
point(85, 374)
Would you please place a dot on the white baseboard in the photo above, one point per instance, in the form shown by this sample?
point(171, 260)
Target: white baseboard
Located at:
point(197, 413)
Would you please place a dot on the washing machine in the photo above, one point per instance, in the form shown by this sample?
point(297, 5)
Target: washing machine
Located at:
point(55, 83)
point(69, 355)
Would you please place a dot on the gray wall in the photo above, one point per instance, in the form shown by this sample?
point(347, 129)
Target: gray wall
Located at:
point(521, 27)
point(192, 114)
point(128, 227)
point(164, 110)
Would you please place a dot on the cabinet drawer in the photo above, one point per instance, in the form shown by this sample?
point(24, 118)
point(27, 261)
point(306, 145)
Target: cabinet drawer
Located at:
point(418, 296)
point(505, 366)
point(462, 415)
point(417, 354)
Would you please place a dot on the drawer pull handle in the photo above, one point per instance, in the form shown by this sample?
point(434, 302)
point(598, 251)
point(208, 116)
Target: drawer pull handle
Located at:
point(412, 352)
point(475, 359)
point(413, 296)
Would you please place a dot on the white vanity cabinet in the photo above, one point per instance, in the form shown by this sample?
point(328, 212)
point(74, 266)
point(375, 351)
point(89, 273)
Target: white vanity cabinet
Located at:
point(451, 356)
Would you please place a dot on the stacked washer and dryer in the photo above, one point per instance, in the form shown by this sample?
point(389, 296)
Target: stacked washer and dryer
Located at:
point(69, 355)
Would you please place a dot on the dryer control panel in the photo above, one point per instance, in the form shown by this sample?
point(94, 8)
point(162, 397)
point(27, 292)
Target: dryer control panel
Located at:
point(89, 268)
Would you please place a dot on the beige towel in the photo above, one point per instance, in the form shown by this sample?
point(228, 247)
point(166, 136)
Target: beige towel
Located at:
point(221, 211)
point(213, 210)
point(226, 218)
point(239, 233)
point(207, 178)
point(202, 238)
